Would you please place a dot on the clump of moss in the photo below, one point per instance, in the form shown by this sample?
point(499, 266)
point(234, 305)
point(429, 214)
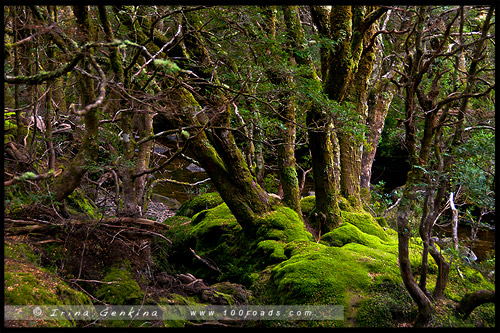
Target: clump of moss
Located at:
point(122, 288)
point(307, 205)
point(201, 202)
point(381, 222)
point(365, 222)
point(79, 204)
point(283, 224)
point(389, 305)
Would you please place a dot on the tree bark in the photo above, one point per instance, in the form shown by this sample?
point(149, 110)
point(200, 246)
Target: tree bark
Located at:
point(72, 176)
point(286, 145)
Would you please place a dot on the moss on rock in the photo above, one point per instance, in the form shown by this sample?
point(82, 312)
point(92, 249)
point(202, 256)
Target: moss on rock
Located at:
point(365, 222)
point(201, 202)
point(78, 204)
point(307, 204)
point(122, 289)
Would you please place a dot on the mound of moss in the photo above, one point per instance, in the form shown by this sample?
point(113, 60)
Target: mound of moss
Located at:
point(355, 265)
point(201, 202)
point(121, 287)
point(26, 283)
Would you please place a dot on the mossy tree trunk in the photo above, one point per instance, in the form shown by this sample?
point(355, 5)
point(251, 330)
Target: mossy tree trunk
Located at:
point(286, 144)
point(71, 178)
point(207, 119)
point(346, 27)
point(351, 139)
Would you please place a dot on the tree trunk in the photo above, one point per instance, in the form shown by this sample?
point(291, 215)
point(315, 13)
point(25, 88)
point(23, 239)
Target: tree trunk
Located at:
point(324, 149)
point(351, 140)
point(404, 234)
point(65, 184)
point(286, 145)
point(379, 101)
point(323, 142)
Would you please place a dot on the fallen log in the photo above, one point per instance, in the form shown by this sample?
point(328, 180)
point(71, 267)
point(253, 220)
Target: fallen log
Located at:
point(472, 300)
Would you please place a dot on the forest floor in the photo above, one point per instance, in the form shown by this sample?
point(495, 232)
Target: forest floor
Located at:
point(158, 211)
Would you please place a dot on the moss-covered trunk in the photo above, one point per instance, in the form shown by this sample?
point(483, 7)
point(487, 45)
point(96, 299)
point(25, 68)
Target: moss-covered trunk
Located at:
point(211, 140)
point(224, 163)
point(71, 178)
point(286, 143)
point(352, 140)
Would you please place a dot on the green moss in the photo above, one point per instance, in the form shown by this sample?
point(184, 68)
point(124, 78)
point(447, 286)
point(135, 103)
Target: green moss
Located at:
point(20, 252)
point(365, 222)
point(271, 249)
point(374, 313)
point(199, 203)
point(307, 205)
point(355, 265)
point(282, 224)
point(349, 233)
point(79, 204)
point(382, 222)
point(25, 283)
point(122, 289)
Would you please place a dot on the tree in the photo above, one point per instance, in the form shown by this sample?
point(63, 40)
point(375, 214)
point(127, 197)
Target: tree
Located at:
point(428, 58)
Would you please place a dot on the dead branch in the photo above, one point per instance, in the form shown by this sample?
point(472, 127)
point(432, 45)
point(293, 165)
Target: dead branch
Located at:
point(31, 176)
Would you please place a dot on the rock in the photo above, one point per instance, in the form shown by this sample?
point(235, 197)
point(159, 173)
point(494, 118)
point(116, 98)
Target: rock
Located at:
point(194, 168)
point(469, 256)
point(170, 203)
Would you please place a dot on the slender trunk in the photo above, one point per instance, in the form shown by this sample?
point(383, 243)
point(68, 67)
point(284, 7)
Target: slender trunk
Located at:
point(351, 141)
point(404, 235)
point(378, 105)
point(454, 222)
point(323, 142)
point(286, 145)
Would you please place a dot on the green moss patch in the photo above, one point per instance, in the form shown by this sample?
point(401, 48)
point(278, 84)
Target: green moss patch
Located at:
point(307, 205)
point(365, 222)
point(78, 205)
point(25, 283)
point(121, 287)
point(282, 224)
point(201, 202)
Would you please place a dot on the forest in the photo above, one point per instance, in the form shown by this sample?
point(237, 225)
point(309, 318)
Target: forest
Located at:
point(239, 156)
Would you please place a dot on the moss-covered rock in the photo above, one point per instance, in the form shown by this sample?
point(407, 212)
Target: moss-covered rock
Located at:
point(201, 202)
point(79, 205)
point(122, 288)
point(283, 224)
point(355, 265)
point(381, 222)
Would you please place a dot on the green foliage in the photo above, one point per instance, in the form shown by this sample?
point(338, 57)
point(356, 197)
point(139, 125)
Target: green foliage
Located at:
point(475, 169)
point(271, 183)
